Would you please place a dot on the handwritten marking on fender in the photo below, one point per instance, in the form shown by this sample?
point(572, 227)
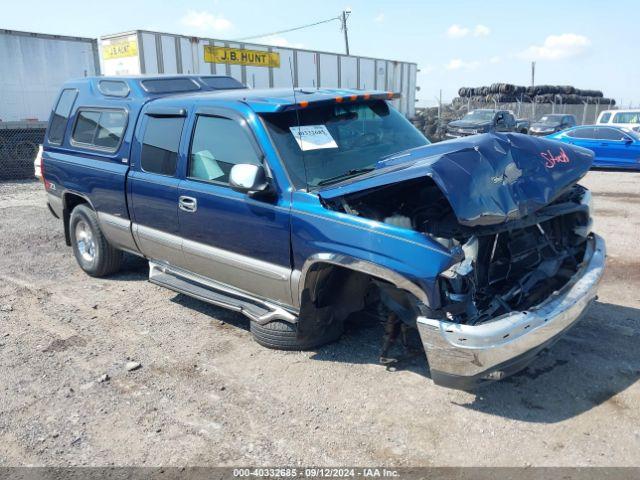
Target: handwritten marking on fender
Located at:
point(552, 160)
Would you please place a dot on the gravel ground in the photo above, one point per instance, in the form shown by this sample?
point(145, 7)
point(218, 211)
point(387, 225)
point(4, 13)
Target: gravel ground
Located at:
point(207, 394)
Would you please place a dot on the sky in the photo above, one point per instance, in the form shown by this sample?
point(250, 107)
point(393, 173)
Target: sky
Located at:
point(587, 44)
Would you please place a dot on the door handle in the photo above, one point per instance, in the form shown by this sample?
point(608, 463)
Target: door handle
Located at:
point(187, 204)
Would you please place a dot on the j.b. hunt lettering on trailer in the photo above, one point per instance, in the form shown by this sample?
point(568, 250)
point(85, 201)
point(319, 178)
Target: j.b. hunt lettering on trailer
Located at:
point(119, 49)
point(240, 56)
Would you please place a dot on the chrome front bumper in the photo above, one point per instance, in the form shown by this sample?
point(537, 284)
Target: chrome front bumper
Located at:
point(464, 356)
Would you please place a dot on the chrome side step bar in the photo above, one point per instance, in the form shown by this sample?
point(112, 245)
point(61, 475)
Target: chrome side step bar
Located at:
point(209, 291)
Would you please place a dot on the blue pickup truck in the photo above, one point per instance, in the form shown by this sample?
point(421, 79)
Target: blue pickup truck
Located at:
point(301, 208)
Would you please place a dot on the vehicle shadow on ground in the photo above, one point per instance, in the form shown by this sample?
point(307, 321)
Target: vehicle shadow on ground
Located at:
point(220, 314)
point(133, 268)
point(362, 343)
point(587, 367)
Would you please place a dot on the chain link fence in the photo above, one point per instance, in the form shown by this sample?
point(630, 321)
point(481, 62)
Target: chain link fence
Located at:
point(585, 113)
point(18, 148)
point(433, 121)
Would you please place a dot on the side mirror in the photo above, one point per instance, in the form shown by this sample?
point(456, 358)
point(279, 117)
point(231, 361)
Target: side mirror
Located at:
point(627, 140)
point(248, 178)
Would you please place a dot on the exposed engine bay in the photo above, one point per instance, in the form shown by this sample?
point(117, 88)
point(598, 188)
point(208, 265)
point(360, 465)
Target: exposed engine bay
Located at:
point(504, 267)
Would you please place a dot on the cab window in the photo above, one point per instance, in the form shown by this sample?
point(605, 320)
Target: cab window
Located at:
point(626, 117)
point(218, 144)
point(160, 145)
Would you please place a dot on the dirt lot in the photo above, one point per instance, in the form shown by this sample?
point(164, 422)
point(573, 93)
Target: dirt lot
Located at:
point(206, 394)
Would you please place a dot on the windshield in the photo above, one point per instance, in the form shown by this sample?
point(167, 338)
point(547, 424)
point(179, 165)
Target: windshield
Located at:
point(479, 116)
point(335, 142)
point(550, 119)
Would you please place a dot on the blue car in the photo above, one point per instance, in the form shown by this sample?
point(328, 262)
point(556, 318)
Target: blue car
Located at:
point(615, 147)
point(301, 208)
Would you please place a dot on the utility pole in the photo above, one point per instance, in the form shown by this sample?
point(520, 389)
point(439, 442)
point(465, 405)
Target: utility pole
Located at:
point(345, 15)
point(533, 74)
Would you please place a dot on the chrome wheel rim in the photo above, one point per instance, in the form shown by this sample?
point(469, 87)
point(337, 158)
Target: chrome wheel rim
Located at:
point(85, 242)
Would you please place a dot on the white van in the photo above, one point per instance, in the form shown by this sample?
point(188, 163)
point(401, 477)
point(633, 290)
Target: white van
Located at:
point(621, 118)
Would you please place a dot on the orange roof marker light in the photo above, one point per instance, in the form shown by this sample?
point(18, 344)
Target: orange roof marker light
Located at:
point(349, 97)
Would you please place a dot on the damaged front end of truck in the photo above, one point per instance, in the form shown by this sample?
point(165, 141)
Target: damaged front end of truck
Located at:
point(525, 262)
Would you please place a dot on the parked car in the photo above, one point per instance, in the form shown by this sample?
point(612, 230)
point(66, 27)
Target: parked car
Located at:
point(301, 208)
point(620, 118)
point(616, 147)
point(522, 125)
point(552, 123)
point(482, 121)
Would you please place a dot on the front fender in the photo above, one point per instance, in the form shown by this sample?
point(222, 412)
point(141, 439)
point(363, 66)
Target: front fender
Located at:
point(405, 258)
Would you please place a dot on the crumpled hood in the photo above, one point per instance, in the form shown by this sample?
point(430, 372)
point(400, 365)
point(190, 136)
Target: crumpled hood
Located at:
point(488, 179)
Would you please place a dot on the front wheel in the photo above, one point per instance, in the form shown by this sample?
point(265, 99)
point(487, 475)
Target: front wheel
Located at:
point(93, 252)
point(282, 335)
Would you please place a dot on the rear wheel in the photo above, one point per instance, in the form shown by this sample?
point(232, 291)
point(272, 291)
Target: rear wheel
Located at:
point(281, 335)
point(93, 252)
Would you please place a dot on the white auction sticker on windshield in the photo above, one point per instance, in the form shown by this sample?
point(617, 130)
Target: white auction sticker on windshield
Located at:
point(313, 137)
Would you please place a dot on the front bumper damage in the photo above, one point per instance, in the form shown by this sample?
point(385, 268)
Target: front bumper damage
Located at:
point(466, 356)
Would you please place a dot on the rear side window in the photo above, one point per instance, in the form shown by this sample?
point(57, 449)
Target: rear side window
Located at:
point(60, 117)
point(219, 144)
point(582, 133)
point(605, 118)
point(160, 145)
point(100, 129)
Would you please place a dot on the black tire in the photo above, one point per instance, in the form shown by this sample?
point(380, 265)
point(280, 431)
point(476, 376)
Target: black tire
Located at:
point(281, 335)
point(106, 259)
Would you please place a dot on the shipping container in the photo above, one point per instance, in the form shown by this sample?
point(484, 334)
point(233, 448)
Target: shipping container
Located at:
point(257, 66)
point(33, 67)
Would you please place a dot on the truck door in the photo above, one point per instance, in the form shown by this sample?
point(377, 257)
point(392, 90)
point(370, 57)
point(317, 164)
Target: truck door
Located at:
point(228, 236)
point(153, 185)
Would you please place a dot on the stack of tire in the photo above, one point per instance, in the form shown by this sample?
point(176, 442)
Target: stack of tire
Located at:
point(509, 93)
point(426, 120)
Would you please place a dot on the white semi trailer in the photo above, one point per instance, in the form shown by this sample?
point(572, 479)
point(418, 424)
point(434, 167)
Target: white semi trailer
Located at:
point(258, 66)
point(33, 67)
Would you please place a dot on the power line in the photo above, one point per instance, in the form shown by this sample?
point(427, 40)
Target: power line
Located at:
point(290, 29)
